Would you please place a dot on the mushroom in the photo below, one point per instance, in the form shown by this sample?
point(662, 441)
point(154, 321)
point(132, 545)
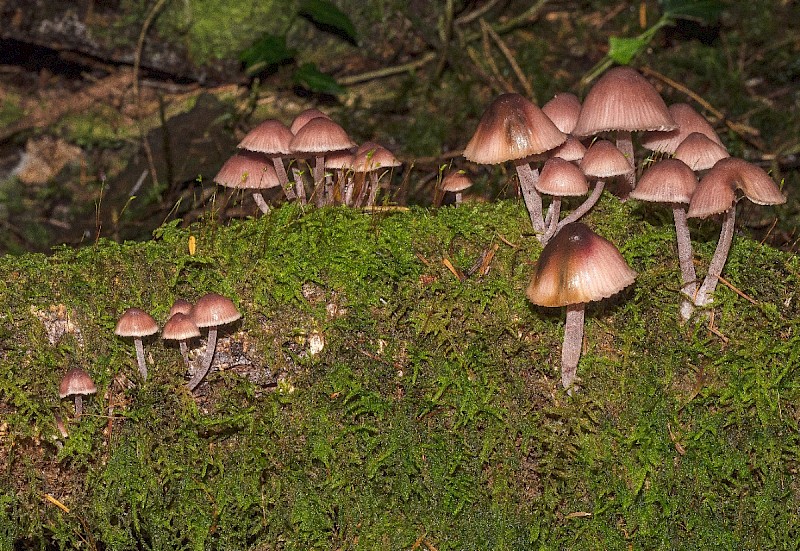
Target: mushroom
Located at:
point(271, 137)
point(671, 181)
point(559, 178)
point(212, 311)
point(369, 160)
point(716, 193)
point(137, 323)
point(514, 129)
point(456, 183)
point(182, 328)
point(577, 266)
point(249, 170)
point(76, 383)
point(623, 101)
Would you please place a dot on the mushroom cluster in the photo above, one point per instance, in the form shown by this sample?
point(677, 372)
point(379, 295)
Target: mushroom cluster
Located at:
point(690, 170)
point(327, 167)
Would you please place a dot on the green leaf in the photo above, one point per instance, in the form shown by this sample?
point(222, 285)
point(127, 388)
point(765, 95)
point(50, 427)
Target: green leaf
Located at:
point(268, 51)
point(327, 16)
point(623, 50)
point(702, 11)
point(309, 76)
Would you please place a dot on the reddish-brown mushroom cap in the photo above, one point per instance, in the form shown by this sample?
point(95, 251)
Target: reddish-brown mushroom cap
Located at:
point(688, 121)
point(622, 99)
point(700, 152)
point(564, 110)
point(320, 135)
point(270, 137)
point(135, 322)
point(303, 118)
point(578, 266)
point(562, 178)
point(511, 128)
point(604, 160)
point(213, 310)
point(570, 150)
point(76, 382)
point(373, 157)
point(247, 170)
point(181, 305)
point(455, 182)
point(180, 327)
point(667, 181)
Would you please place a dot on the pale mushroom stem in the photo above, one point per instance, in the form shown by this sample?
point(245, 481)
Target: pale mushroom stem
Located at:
point(137, 343)
point(551, 221)
point(300, 186)
point(283, 178)
point(261, 202)
point(202, 371)
point(573, 342)
point(319, 181)
point(718, 260)
point(533, 201)
point(459, 197)
point(625, 144)
point(78, 406)
point(584, 207)
point(373, 189)
point(688, 275)
point(184, 352)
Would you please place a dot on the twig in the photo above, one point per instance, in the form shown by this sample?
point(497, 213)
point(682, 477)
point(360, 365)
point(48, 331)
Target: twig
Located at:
point(730, 286)
point(473, 15)
point(137, 58)
point(511, 60)
point(456, 272)
point(388, 71)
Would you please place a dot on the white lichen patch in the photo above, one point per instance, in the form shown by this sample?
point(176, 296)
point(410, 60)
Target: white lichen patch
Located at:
point(316, 342)
point(57, 321)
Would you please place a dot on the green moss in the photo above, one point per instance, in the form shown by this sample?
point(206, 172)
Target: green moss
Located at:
point(433, 412)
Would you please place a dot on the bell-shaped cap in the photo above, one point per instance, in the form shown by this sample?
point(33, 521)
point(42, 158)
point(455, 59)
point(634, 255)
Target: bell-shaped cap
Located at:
point(700, 152)
point(667, 181)
point(320, 135)
point(562, 178)
point(270, 137)
point(247, 170)
point(622, 99)
point(135, 322)
point(688, 121)
point(604, 160)
point(371, 156)
point(180, 327)
point(511, 128)
point(303, 118)
point(570, 150)
point(577, 266)
point(564, 110)
point(76, 382)
point(212, 310)
point(455, 182)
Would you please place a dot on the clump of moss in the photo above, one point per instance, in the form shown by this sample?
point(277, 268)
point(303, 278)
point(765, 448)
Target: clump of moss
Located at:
point(371, 400)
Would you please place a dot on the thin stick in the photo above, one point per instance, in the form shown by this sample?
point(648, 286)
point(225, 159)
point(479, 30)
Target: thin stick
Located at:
point(511, 60)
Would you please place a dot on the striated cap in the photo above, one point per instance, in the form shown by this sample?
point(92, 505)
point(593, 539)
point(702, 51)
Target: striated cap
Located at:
point(180, 327)
point(76, 381)
point(622, 99)
point(247, 170)
point(570, 150)
point(320, 135)
point(562, 178)
point(456, 181)
point(688, 121)
point(371, 156)
point(667, 181)
point(578, 266)
point(511, 128)
point(270, 137)
point(604, 160)
point(716, 191)
point(305, 116)
point(700, 152)
point(212, 310)
point(135, 322)
point(181, 305)
point(564, 110)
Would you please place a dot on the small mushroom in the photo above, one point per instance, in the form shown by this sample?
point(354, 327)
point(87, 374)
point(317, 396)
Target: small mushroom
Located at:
point(76, 383)
point(182, 328)
point(137, 323)
point(211, 310)
point(577, 266)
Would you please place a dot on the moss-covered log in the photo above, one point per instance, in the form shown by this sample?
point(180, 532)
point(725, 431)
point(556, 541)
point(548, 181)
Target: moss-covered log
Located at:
point(370, 399)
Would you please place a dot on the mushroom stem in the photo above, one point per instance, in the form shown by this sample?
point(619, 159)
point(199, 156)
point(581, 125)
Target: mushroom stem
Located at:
point(283, 178)
point(584, 207)
point(262, 204)
point(78, 406)
point(459, 198)
point(184, 352)
point(319, 181)
point(299, 184)
point(573, 342)
point(137, 343)
point(533, 201)
point(551, 221)
point(625, 144)
point(688, 275)
point(211, 344)
point(718, 260)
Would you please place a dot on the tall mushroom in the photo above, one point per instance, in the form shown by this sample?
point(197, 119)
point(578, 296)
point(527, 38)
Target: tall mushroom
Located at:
point(577, 266)
point(76, 383)
point(211, 311)
point(136, 323)
point(271, 137)
point(671, 181)
point(513, 129)
point(716, 193)
point(623, 101)
point(249, 170)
